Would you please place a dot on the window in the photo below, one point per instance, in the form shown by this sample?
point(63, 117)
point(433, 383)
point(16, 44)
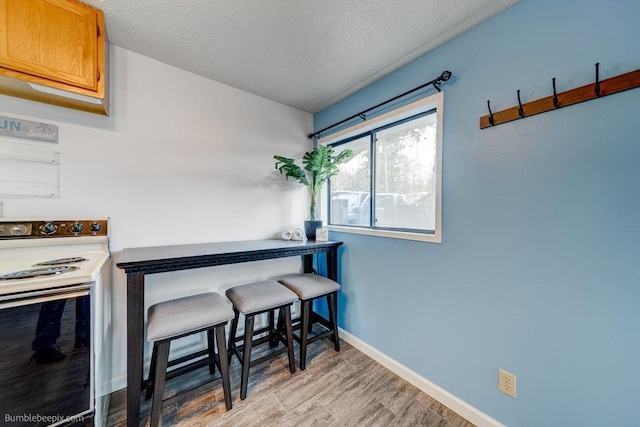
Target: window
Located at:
point(391, 185)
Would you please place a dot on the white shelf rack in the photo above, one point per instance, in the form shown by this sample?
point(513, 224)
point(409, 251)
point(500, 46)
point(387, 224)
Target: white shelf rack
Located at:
point(28, 170)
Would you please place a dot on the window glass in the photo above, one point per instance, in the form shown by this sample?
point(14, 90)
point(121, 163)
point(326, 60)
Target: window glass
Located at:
point(350, 188)
point(405, 175)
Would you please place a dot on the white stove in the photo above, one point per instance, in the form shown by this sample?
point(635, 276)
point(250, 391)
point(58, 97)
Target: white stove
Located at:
point(81, 259)
point(55, 321)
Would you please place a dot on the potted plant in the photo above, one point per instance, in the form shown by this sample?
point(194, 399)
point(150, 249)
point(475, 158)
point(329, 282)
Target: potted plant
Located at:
point(320, 164)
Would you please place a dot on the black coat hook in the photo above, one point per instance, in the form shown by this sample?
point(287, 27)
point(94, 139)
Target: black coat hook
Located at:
point(520, 109)
point(555, 95)
point(490, 113)
point(597, 86)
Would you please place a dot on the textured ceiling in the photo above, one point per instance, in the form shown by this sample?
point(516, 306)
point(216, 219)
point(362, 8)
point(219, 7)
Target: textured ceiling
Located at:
point(307, 54)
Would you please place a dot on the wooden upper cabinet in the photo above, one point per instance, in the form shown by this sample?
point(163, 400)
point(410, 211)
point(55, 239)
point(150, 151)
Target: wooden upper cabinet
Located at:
point(60, 44)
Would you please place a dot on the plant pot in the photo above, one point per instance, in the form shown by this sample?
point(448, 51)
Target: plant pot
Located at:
point(310, 228)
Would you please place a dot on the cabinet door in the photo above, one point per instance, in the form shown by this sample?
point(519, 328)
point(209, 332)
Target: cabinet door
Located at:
point(54, 39)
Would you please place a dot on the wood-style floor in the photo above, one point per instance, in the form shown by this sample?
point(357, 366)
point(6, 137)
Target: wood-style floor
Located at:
point(345, 388)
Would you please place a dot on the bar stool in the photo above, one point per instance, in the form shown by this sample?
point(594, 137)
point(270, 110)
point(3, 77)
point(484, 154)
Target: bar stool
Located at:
point(178, 318)
point(253, 299)
point(309, 287)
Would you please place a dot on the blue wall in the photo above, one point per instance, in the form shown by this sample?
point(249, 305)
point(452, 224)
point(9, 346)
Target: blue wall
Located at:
point(538, 272)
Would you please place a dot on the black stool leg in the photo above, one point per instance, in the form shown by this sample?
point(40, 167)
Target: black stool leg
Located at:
point(232, 349)
point(158, 386)
point(332, 304)
point(246, 357)
point(280, 328)
point(273, 337)
point(224, 365)
point(287, 321)
point(152, 372)
point(212, 351)
point(311, 316)
point(305, 308)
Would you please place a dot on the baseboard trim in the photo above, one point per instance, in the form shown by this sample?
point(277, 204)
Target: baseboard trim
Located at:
point(118, 383)
point(449, 400)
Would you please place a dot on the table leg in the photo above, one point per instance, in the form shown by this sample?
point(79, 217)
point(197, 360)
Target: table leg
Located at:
point(332, 264)
point(135, 334)
point(307, 263)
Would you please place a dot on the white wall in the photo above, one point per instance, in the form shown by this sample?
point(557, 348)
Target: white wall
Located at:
point(181, 159)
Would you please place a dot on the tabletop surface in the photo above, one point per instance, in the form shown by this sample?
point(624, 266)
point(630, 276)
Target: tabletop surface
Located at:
point(156, 255)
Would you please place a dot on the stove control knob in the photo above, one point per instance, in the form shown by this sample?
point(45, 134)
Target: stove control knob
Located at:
point(76, 227)
point(48, 228)
point(95, 227)
point(18, 230)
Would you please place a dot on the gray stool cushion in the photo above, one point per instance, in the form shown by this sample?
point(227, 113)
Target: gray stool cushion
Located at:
point(308, 286)
point(260, 296)
point(183, 315)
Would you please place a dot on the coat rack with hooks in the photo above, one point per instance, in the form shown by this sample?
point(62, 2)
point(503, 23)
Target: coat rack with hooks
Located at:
point(598, 89)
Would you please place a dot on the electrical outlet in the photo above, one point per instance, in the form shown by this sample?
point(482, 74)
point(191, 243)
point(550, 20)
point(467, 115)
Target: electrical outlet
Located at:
point(507, 383)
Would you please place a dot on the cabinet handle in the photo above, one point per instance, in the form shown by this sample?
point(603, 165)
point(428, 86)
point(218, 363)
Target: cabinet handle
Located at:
point(98, 75)
point(43, 298)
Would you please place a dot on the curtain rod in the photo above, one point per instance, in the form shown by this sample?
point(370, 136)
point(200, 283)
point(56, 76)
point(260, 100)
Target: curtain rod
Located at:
point(446, 75)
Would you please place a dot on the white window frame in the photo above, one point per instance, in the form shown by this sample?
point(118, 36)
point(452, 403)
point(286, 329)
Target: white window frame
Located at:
point(436, 102)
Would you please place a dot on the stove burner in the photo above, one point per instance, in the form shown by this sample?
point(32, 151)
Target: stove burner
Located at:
point(62, 261)
point(36, 272)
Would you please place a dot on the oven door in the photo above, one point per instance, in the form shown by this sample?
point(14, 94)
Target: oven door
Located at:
point(45, 357)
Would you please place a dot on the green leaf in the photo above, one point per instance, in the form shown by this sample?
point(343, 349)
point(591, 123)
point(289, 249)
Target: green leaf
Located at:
point(289, 169)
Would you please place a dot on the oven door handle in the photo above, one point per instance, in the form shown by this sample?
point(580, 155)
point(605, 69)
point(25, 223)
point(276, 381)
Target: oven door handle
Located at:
point(53, 296)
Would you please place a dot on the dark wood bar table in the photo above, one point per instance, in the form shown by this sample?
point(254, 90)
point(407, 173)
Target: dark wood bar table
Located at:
point(138, 262)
